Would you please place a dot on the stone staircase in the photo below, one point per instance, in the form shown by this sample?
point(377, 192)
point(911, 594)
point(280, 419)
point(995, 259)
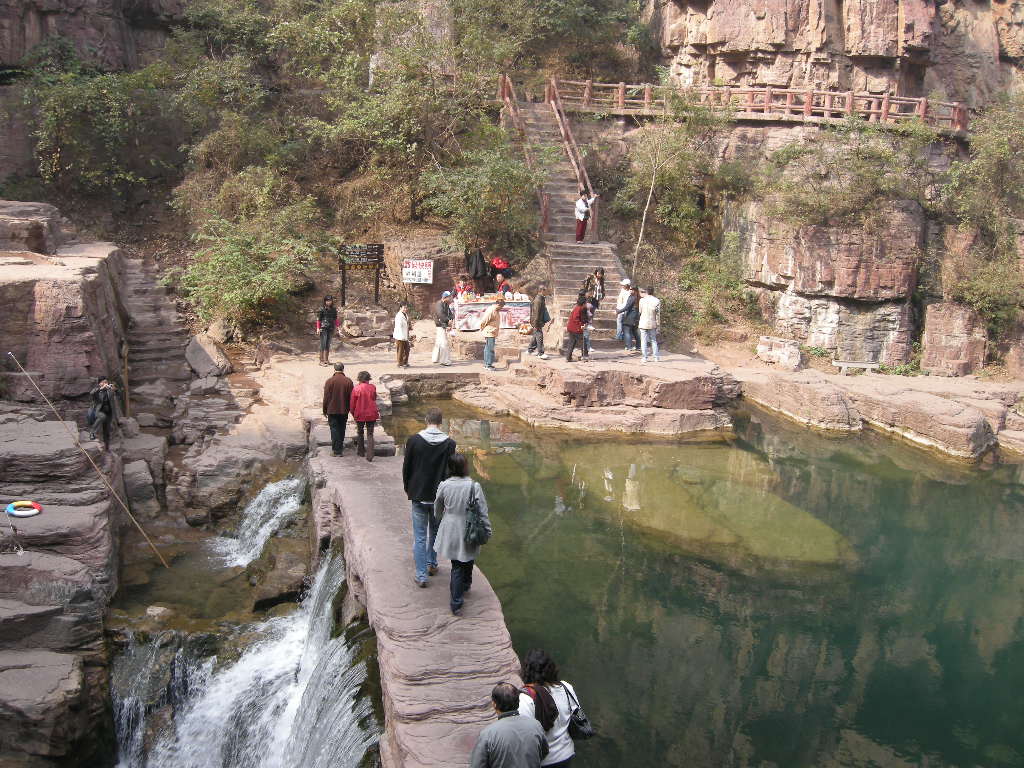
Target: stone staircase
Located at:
point(157, 370)
point(570, 262)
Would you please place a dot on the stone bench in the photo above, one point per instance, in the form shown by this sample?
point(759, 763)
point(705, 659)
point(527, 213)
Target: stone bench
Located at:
point(845, 365)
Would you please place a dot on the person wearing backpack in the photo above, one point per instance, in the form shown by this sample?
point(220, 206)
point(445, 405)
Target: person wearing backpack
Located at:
point(452, 507)
point(551, 701)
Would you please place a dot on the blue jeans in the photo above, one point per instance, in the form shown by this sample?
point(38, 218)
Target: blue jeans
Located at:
point(424, 531)
point(618, 327)
point(489, 343)
point(649, 335)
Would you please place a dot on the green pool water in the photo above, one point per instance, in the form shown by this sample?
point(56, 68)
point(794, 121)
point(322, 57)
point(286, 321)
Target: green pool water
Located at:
point(776, 599)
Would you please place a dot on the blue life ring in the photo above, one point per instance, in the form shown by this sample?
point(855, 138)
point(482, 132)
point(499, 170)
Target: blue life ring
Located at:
point(23, 509)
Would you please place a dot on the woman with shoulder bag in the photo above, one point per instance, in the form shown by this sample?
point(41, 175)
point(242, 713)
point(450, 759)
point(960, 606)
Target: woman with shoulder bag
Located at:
point(462, 508)
point(554, 704)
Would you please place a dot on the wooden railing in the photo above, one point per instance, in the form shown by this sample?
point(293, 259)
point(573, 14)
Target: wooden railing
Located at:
point(572, 149)
point(507, 94)
point(776, 104)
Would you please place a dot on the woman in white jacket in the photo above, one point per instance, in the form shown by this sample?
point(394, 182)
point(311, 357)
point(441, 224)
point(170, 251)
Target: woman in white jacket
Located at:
point(544, 688)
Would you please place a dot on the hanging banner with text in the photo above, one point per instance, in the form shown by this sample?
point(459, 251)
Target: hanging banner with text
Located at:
point(418, 271)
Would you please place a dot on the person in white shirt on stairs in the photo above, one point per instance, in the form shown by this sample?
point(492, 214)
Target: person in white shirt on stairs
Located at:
point(583, 214)
point(650, 319)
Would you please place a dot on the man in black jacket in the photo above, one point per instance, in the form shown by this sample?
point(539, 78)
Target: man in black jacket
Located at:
point(443, 316)
point(424, 467)
point(104, 403)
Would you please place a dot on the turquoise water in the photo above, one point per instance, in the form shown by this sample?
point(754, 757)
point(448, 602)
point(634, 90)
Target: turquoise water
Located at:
point(778, 599)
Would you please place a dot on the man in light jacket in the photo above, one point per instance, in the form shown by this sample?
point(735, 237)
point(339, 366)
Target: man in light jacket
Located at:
point(650, 319)
point(583, 205)
point(401, 336)
point(490, 324)
point(620, 302)
point(513, 741)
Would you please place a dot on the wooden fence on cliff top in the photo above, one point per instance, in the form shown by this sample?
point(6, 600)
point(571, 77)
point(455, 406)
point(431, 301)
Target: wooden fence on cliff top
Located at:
point(768, 104)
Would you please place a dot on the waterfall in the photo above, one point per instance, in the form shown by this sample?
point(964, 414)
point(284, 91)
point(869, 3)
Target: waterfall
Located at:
point(273, 505)
point(289, 700)
point(141, 679)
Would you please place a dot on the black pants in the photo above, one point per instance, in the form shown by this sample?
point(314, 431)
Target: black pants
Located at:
point(561, 763)
point(337, 422)
point(462, 580)
point(365, 448)
point(102, 424)
point(574, 340)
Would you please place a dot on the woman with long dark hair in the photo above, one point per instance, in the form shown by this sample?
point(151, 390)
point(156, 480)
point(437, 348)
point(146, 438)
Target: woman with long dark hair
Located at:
point(451, 504)
point(595, 283)
point(326, 324)
point(550, 700)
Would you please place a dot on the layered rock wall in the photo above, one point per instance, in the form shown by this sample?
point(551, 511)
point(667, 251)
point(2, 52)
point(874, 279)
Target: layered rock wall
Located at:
point(844, 289)
point(109, 34)
point(957, 51)
point(62, 315)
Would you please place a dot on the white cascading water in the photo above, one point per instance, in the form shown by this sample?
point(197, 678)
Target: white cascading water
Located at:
point(136, 672)
point(289, 701)
point(262, 517)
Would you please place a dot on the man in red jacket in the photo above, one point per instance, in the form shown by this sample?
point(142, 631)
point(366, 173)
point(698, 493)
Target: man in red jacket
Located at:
point(575, 327)
point(337, 393)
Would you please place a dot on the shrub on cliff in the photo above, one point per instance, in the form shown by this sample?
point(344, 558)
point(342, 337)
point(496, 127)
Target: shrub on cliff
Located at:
point(985, 197)
point(488, 198)
point(845, 174)
point(98, 133)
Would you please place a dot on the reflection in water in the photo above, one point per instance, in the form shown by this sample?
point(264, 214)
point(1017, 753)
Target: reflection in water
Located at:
point(785, 600)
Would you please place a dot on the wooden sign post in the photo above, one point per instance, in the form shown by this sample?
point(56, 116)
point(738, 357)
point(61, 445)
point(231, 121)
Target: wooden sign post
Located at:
point(361, 257)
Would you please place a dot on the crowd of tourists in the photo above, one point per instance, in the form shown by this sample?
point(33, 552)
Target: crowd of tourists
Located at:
point(637, 313)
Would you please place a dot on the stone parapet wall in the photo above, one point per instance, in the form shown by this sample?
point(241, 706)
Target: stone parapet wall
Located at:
point(449, 263)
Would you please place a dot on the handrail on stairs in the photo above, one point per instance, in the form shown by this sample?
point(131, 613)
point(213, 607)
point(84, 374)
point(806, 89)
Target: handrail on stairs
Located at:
point(507, 95)
point(572, 150)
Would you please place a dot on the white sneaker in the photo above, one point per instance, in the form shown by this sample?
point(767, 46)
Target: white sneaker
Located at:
point(643, 359)
point(543, 357)
point(657, 359)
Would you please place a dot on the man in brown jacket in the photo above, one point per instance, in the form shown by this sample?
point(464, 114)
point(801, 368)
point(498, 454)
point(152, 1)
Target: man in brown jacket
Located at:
point(337, 393)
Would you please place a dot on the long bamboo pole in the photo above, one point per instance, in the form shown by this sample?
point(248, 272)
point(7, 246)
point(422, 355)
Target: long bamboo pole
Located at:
point(102, 477)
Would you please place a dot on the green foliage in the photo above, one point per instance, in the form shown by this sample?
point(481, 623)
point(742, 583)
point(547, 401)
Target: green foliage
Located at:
point(991, 286)
point(242, 272)
point(95, 132)
point(985, 196)
point(847, 173)
point(913, 368)
point(708, 287)
point(819, 352)
point(670, 163)
point(488, 197)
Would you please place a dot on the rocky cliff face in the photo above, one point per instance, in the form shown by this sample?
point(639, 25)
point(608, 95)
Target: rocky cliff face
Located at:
point(60, 307)
point(960, 50)
point(110, 34)
point(836, 287)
